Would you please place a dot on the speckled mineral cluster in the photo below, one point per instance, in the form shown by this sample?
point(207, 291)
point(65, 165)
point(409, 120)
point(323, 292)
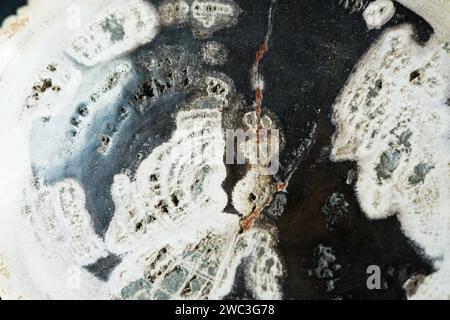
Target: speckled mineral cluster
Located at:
point(95, 204)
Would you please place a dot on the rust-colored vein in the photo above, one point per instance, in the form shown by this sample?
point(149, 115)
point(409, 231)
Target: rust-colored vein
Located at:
point(260, 53)
point(258, 99)
point(281, 186)
point(263, 48)
point(248, 221)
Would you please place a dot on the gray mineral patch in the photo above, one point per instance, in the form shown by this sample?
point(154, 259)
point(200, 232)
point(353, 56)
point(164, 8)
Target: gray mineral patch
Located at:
point(335, 209)
point(420, 172)
point(388, 163)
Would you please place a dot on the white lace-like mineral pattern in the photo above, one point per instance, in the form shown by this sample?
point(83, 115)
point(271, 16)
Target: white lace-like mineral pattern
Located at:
point(169, 227)
point(393, 118)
